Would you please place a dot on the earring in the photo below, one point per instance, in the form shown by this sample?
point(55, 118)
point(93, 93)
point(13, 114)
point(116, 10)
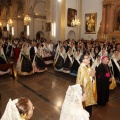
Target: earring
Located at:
point(23, 116)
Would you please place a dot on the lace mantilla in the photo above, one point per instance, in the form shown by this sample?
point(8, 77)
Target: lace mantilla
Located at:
point(11, 111)
point(72, 108)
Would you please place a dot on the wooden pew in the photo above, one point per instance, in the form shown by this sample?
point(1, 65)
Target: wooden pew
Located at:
point(6, 67)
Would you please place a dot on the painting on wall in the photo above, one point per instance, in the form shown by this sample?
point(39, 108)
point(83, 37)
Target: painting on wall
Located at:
point(48, 27)
point(90, 23)
point(71, 14)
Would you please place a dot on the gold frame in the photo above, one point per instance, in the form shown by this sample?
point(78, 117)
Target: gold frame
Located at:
point(90, 23)
point(71, 14)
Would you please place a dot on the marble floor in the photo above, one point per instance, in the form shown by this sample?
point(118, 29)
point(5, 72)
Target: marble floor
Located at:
point(47, 91)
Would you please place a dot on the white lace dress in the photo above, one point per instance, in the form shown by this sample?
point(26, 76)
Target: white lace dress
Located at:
point(72, 108)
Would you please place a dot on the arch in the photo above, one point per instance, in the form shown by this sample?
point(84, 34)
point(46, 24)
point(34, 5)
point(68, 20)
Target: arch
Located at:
point(72, 35)
point(40, 8)
point(39, 35)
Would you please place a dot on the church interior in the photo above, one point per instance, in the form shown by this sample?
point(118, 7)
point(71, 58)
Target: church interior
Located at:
point(44, 23)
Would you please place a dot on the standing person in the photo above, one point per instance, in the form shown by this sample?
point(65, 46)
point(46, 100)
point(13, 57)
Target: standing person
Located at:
point(33, 50)
point(103, 76)
point(16, 52)
point(72, 108)
point(85, 79)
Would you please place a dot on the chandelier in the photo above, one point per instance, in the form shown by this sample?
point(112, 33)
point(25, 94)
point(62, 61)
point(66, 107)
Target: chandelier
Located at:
point(10, 22)
point(27, 19)
point(75, 22)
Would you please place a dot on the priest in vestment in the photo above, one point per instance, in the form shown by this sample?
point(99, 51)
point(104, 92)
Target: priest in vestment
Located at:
point(103, 75)
point(85, 79)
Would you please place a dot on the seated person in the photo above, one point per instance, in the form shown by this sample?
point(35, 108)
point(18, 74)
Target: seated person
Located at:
point(59, 59)
point(72, 108)
point(3, 60)
point(24, 64)
point(68, 61)
point(47, 54)
point(18, 109)
point(38, 62)
point(76, 63)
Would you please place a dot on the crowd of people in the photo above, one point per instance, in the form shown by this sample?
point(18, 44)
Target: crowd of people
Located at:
point(29, 56)
point(92, 62)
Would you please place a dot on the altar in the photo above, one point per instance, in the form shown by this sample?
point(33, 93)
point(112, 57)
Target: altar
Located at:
point(110, 24)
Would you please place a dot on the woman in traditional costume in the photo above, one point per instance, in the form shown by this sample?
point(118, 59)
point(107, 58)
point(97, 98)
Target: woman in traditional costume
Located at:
point(103, 52)
point(92, 56)
point(46, 54)
point(38, 62)
point(24, 64)
point(76, 63)
point(115, 60)
point(73, 47)
point(59, 59)
point(68, 61)
point(96, 51)
point(3, 60)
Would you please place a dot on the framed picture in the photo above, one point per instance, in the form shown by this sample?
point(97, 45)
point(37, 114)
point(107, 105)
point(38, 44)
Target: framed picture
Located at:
point(90, 23)
point(5, 28)
point(48, 27)
point(71, 14)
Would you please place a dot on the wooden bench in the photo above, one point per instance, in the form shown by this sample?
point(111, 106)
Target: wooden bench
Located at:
point(6, 67)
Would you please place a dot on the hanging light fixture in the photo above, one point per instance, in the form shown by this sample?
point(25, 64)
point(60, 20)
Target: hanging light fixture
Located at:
point(75, 22)
point(27, 19)
point(10, 22)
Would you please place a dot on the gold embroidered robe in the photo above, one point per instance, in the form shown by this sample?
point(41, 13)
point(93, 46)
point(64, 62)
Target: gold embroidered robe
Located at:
point(85, 80)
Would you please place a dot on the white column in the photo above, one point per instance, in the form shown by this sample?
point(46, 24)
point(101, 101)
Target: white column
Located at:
point(56, 20)
point(15, 27)
point(58, 26)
